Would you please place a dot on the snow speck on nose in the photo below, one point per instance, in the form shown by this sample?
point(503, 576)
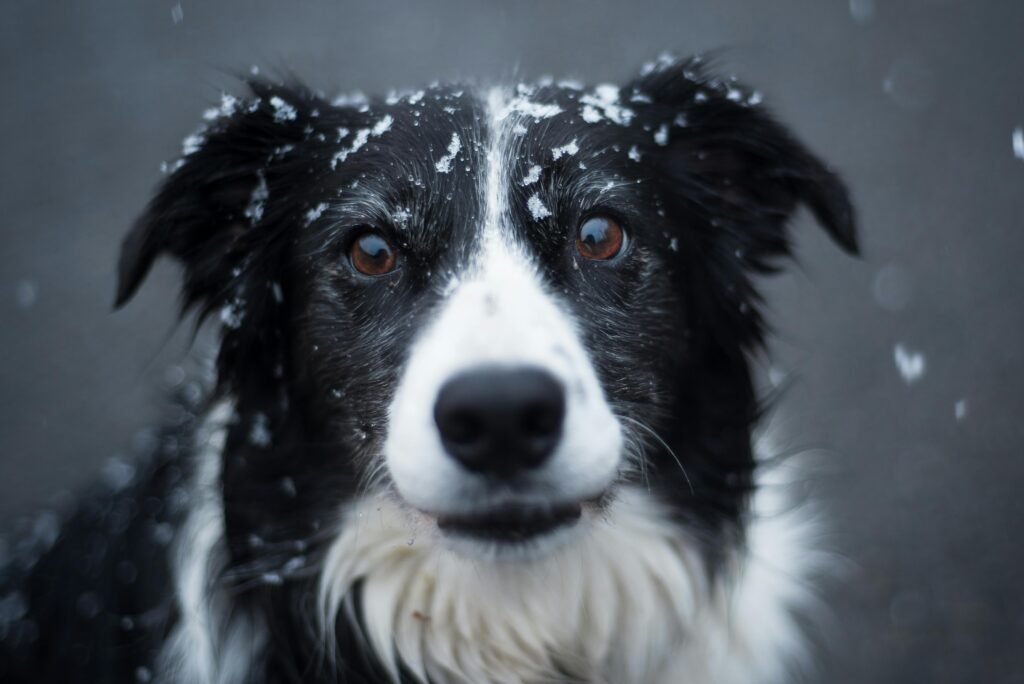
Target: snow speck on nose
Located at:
point(911, 364)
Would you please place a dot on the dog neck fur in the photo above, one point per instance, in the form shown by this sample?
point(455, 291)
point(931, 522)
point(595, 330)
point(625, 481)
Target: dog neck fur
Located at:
point(211, 644)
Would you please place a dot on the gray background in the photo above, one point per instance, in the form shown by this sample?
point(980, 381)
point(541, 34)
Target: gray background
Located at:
point(914, 100)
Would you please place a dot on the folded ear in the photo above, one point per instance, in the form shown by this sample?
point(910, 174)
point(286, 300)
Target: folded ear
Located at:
point(215, 209)
point(725, 155)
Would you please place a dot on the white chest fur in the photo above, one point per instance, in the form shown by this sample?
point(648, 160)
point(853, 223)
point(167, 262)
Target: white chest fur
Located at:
point(629, 602)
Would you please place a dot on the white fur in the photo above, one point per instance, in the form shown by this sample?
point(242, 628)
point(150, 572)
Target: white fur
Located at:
point(211, 643)
point(628, 602)
point(499, 314)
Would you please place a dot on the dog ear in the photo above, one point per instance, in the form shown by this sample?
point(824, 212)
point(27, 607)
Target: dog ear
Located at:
point(734, 164)
point(215, 209)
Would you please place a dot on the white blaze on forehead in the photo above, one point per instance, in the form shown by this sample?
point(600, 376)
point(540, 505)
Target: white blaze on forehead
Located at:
point(498, 312)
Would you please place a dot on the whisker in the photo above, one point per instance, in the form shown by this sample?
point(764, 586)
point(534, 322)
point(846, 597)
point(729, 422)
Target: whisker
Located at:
point(672, 453)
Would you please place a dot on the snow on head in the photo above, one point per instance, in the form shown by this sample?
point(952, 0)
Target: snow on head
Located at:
point(537, 208)
point(315, 213)
point(664, 61)
point(401, 217)
point(360, 139)
point(444, 164)
point(228, 105)
point(362, 136)
point(254, 210)
point(661, 135)
point(282, 110)
point(192, 143)
point(383, 126)
point(559, 152)
point(1018, 142)
point(356, 100)
point(532, 176)
point(603, 103)
point(525, 107)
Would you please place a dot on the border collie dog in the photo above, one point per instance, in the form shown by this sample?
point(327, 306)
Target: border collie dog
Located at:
point(483, 407)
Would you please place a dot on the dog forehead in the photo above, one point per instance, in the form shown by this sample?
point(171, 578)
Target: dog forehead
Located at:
point(557, 136)
point(450, 161)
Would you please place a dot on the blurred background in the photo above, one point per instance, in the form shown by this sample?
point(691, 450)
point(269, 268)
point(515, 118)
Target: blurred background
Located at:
point(903, 369)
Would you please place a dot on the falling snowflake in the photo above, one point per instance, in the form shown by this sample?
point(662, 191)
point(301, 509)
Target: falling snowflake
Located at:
point(911, 364)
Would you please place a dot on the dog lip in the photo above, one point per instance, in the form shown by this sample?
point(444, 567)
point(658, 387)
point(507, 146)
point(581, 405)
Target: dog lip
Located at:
point(511, 523)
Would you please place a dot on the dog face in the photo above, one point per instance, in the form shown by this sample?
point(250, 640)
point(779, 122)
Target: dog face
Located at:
point(494, 308)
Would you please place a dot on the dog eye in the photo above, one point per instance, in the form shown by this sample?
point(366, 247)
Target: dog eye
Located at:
point(600, 238)
point(371, 254)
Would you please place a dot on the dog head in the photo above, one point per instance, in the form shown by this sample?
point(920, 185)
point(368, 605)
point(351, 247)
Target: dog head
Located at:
point(496, 308)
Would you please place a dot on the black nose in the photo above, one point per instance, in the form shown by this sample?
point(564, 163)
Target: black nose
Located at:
point(500, 420)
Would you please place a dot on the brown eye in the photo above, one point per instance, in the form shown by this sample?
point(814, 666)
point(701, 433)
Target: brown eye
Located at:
point(600, 238)
point(371, 254)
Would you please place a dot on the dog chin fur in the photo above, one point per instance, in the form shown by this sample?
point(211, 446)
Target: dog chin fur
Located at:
point(627, 599)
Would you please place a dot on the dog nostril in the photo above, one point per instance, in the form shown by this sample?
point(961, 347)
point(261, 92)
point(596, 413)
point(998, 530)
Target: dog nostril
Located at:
point(500, 420)
point(541, 419)
point(461, 427)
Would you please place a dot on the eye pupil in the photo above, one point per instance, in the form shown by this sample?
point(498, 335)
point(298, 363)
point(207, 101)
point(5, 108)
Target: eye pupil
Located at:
point(600, 238)
point(372, 254)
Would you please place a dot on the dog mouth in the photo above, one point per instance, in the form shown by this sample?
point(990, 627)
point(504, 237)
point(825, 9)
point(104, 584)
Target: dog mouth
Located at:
point(511, 524)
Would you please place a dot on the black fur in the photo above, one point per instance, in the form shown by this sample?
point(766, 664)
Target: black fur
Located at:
point(311, 352)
